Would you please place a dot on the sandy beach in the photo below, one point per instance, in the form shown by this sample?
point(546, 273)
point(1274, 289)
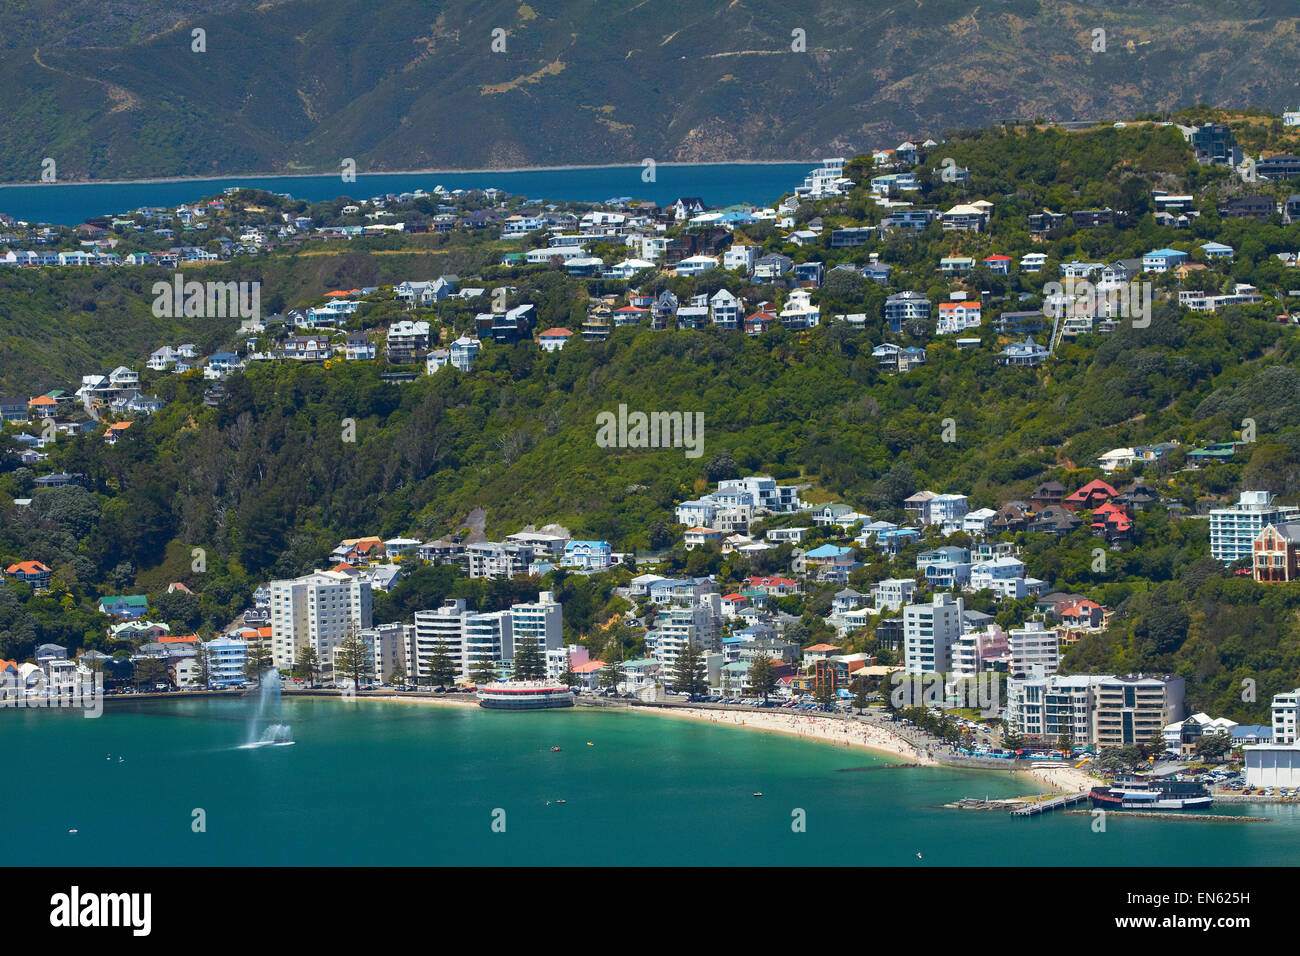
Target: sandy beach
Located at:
point(1065, 779)
point(829, 729)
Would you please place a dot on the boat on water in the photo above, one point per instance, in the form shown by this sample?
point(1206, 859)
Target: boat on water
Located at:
point(524, 695)
point(1140, 794)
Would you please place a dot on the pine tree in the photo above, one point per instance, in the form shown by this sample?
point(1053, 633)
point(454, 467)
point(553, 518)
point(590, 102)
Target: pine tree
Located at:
point(860, 694)
point(483, 672)
point(528, 664)
point(440, 666)
point(307, 666)
point(762, 676)
point(612, 675)
point(353, 658)
point(690, 676)
point(257, 662)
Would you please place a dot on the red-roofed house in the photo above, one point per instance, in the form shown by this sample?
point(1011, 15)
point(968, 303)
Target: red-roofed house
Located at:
point(775, 585)
point(998, 264)
point(552, 340)
point(630, 315)
point(32, 572)
point(957, 317)
point(1112, 521)
point(1084, 614)
point(759, 322)
point(588, 673)
point(1091, 495)
point(733, 604)
point(819, 652)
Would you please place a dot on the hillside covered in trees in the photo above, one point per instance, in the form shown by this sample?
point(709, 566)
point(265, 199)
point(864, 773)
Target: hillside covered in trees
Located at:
point(266, 480)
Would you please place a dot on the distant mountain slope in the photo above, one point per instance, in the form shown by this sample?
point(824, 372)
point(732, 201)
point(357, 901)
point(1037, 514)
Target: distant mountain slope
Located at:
point(300, 85)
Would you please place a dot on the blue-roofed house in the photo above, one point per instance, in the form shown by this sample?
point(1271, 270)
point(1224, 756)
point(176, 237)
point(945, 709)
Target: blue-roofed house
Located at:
point(1163, 260)
point(1251, 734)
point(1216, 250)
point(831, 562)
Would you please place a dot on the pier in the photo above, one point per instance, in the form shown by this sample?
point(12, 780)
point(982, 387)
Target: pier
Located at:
point(1047, 806)
point(1202, 817)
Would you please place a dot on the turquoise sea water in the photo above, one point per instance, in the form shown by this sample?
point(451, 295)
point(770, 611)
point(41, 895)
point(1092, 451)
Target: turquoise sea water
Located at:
point(398, 783)
point(718, 184)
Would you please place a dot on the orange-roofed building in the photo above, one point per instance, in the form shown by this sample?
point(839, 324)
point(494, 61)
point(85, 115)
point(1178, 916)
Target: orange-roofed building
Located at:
point(114, 431)
point(184, 639)
point(588, 673)
point(42, 402)
point(733, 604)
point(359, 550)
point(775, 585)
point(32, 572)
point(1086, 614)
point(819, 652)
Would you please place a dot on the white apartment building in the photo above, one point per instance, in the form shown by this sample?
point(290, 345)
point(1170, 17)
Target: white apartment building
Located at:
point(389, 646)
point(929, 632)
point(1233, 529)
point(1053, 707)
point(1286, 716)
point(765, 491)
point(931, 508)
point(539, 623)
point(226, 657)
point(976, 651)
point(725, 309)
point(316, 611)
point(1035, 650)
point(1134, 708)
point(740, 255)
point(438, 628)
point(678, 625)
point(493, 559)
point(470, 638)
point(486, 637)
point(892, 594)
point(1004, 576)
